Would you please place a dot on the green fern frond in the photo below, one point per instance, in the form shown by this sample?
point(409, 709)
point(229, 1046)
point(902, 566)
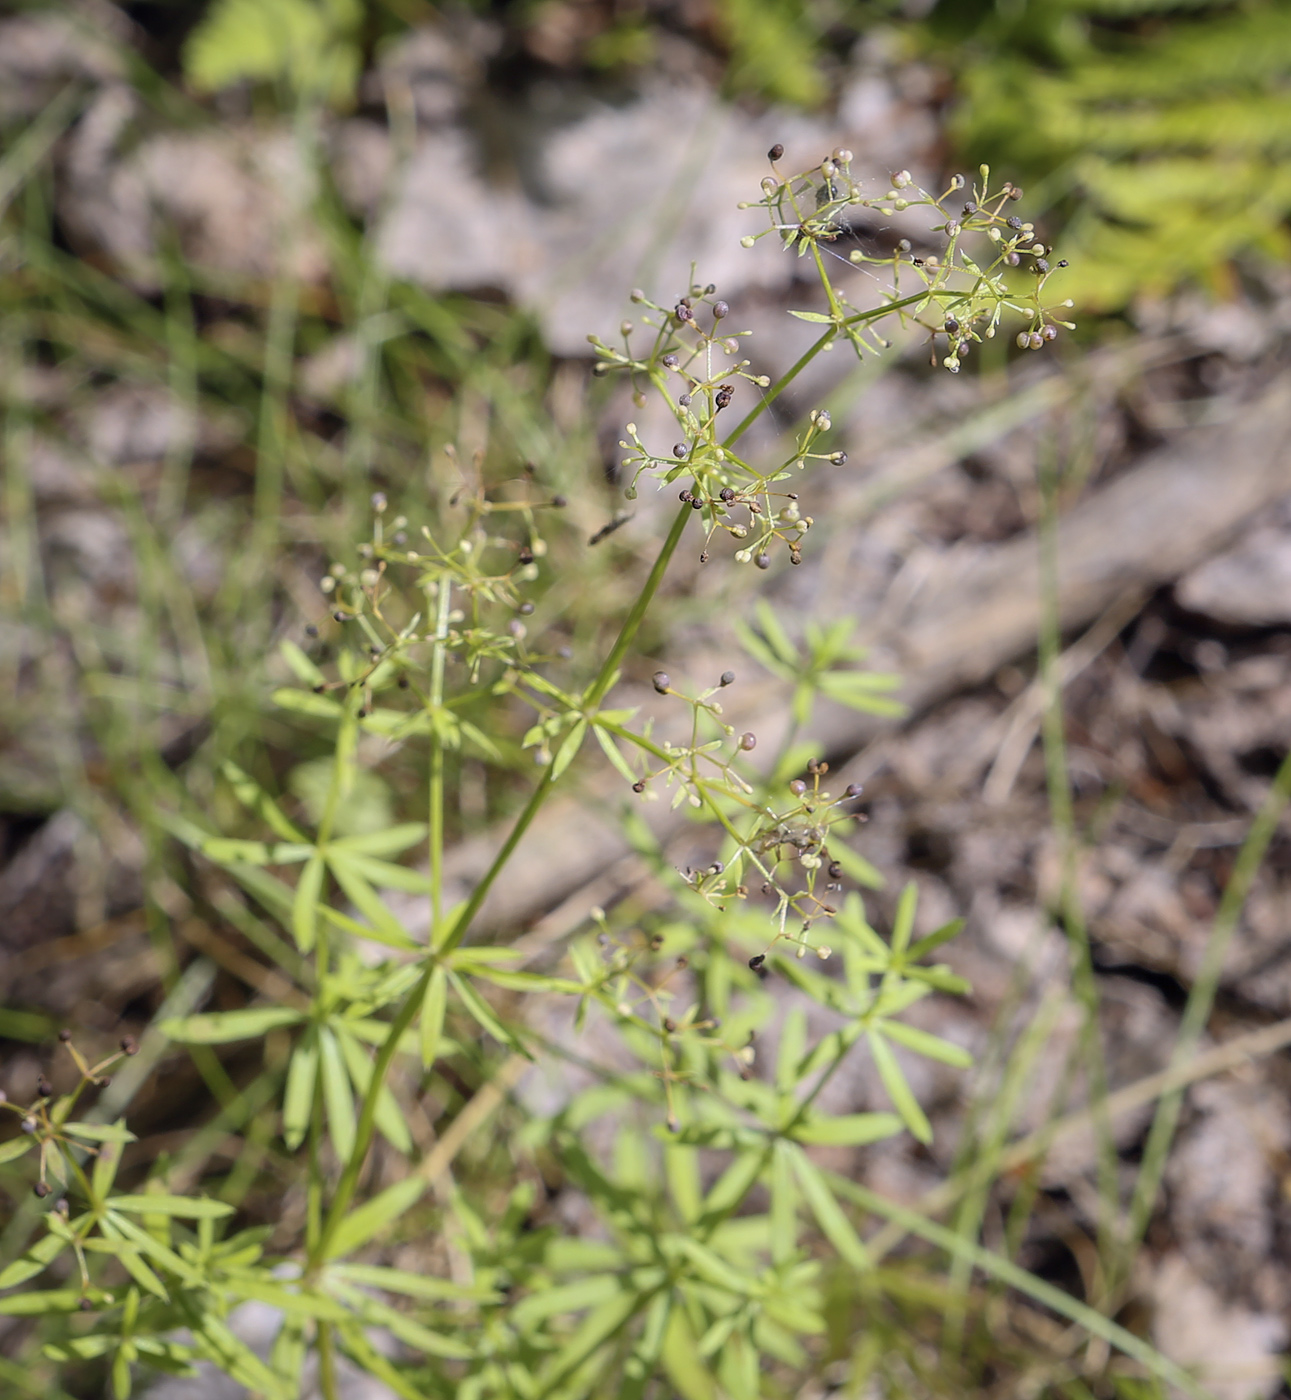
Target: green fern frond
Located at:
point(1168, 138)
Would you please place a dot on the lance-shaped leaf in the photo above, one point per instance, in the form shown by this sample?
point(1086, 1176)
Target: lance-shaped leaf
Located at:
point(833, 1223)
point(369, 1219)
point(930, 1046)
point(597, 1328)
point(847, 1130)
point(338, 1096)
point(17, 1147)
point(302, 667)
point(482, 1013)
point(389, 1117)
point(303, 702)
point(388, 842)
point(298, 1098)
point(611, 751)
point(370, 904)
point(432, 1015)
point(424, 1286)
point(903, 924)
point(100, 1132)
point(219, 1027)
point(255, 799)
point(34, 1261)
point(304, 904)
point(186, 1207)
point(898, 1090)
point(57, 1300)
point(569, 747)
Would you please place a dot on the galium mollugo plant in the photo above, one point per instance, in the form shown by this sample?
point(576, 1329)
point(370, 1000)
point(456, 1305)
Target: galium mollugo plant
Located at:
point(703, 1277)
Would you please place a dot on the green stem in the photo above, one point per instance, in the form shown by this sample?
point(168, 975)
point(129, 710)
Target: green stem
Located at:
point(597, 690)
point(436, 815)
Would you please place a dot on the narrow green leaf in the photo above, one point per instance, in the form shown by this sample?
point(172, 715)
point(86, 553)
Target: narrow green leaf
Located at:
point(368, 902)
point(793, 1045)
point(611, 751)
point(432, 1015)
point(30, 1026)
point(187, 1207)
point(58, 1300)
point(365, 1222)
point(302, 667)
point(729, 1190)
point(34, 1261)
point(934, 940)
point(775, 634)
point(81, 1348)
point(390, 842)
point(298, 1098)
point(597, 1328)
point(930, 1046)
point(903, 925)
point(13, 1149)
point(256, 799)
point(100, 1132)
point(217, 1343)
point(218, 1027)
point(784, 1206)
point(302, 702)
point(338, 1095)
point(903, 1100)
point(366, 931)
point(435, 1290)
point(481, 740)
point(482, 1013)
point(848, 1129)
point(295, 1302)
point(569, 747)
point(818, 317)
point(376, 1313)
point(564, 1298)
point(833, 1223)
point(385, 875)
point(389, 1117)
point(529, 981)
point(139, 1271)
point(304, 904)
point(105, 1169)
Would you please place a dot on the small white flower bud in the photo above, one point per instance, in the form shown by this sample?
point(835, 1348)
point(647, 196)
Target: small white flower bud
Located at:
point(747, 241)
point(901, 179)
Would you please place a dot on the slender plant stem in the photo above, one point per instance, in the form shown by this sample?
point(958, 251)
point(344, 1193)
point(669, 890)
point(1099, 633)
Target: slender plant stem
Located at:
point(436, 814)
point(627, 633)
point(327, 1363)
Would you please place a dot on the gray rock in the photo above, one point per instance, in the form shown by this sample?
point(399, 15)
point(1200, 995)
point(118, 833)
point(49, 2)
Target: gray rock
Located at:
point(1248, 586)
